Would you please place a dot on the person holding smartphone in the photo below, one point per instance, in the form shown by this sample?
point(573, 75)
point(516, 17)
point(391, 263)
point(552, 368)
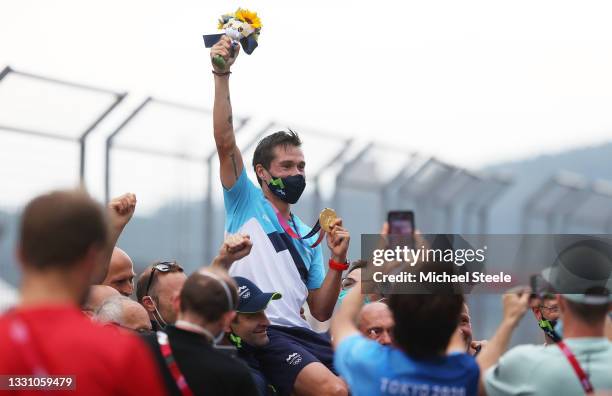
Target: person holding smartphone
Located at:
point(580, 361)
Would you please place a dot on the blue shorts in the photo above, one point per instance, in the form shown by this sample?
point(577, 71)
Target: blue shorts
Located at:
point(289, 351)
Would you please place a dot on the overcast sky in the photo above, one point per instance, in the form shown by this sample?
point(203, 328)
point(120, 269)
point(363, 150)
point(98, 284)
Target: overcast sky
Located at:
point(472, 82)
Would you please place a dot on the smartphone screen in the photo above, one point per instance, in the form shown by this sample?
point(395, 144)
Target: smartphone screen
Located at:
point(401, 228)
point(401, 222)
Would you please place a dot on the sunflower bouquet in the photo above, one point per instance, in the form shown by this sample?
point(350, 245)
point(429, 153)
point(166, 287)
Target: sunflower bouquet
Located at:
point(242, 26)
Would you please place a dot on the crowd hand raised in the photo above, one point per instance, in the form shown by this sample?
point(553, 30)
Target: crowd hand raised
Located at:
point(338, 241)
point(121, 210)
point(227, 51)
point(235, 247)
point(515, 303)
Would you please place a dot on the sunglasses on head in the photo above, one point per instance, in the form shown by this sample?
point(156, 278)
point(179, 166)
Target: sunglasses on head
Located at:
point(164, 266)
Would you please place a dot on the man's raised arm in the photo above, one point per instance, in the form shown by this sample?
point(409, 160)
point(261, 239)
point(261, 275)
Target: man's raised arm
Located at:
point(321, 301)
point(120, 211)
point(234, 248)
point(229, 155)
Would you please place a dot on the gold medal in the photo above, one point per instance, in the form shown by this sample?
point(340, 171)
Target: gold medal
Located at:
point(326, 217)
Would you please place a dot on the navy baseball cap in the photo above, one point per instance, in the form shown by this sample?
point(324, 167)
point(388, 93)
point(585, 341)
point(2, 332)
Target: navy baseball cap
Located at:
point(250, 298)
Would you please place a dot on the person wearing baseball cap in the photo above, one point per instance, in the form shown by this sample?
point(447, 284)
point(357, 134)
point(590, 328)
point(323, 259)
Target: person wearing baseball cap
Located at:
point(249, 328)
point(581, 360)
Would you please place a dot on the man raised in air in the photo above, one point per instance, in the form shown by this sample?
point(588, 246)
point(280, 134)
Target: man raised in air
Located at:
point(297, 359)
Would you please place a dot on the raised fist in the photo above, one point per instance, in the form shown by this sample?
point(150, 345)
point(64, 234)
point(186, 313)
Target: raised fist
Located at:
point(226, 50)
point(121, 210)
point(234, 248)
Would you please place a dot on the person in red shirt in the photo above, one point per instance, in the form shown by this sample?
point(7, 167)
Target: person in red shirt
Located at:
point(64, 247)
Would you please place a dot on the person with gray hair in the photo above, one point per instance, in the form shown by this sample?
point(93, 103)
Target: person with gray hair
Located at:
point(96, 297)
point(125, 313)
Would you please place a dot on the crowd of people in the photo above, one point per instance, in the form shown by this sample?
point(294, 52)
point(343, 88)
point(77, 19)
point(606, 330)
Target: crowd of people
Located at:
point(238, 325)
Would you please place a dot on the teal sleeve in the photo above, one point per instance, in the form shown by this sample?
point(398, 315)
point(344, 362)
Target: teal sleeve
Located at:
point(316, 272)
point(237, 198)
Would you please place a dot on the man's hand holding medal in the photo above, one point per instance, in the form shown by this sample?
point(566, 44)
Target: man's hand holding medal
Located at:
point(338, 239)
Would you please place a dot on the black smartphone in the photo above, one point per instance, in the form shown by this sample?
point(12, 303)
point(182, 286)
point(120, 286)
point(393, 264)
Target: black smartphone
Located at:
point(401, 222)
point(534, 284)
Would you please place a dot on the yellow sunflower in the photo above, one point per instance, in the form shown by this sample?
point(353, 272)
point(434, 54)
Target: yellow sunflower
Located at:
point(249, 17)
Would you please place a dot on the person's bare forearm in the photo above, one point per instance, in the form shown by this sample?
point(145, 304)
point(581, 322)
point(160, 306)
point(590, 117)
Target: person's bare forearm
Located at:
point(219, 262)
point(496, 346)
point(114, 235)
point(223, 127)
point(229, 155)
point(323, 301)
point(515, 301)
point(120, 211)
point(222, 115)
point(326, 296)
point(490, 355)
point(343, 323)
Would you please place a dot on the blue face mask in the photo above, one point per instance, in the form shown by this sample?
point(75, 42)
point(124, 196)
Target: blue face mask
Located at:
point(341, 296)
point(366, 299)
point(559, 328)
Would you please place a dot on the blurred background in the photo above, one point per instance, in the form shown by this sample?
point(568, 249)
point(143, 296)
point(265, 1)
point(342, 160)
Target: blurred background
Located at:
point(482, 117)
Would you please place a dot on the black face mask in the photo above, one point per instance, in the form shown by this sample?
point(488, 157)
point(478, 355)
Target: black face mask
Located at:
point(287, 189)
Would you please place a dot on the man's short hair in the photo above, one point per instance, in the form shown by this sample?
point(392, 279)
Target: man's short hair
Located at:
point(204, 294)
point(588, 313)
point(424, 323)
point(57, 229)
point(264, 152)
point(143, 279)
